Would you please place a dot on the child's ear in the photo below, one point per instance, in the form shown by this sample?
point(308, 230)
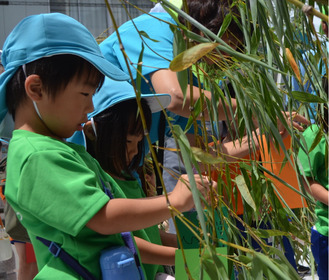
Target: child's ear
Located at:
point(33, 87)
point(89, 131)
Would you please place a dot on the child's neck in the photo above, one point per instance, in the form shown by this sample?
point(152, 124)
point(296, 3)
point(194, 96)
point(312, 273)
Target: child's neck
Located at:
point(116, 176)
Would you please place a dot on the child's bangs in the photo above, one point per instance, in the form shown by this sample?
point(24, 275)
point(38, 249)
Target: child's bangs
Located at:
point(135, 125)
point(93, 75)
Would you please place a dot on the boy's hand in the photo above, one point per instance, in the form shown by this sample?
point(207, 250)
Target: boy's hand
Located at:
point(181, 197)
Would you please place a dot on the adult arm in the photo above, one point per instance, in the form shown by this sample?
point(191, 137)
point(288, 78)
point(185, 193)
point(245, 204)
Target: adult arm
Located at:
point(155, 254)
point(165, 81)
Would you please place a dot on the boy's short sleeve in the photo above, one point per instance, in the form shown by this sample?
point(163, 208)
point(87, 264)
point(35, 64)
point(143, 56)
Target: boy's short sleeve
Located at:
point(57, 189)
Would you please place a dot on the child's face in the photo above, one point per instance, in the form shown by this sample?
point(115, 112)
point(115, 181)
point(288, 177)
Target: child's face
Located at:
point(132, 146)
point(68, 111)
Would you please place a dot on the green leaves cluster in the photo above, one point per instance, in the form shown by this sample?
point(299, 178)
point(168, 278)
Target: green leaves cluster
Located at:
point(260, 75)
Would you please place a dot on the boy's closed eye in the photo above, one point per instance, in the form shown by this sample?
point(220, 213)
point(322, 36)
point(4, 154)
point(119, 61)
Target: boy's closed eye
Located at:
point(87, 94)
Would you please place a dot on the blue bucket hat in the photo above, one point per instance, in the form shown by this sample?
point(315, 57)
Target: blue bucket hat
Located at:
point(46, 35)
point(114, 92)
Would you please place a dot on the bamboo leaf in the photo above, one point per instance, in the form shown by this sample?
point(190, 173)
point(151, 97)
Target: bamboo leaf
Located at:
point(179, 47)
point(245, 259)
point(266, 233)
point(210, 268)
point(257, 269)
point(144, 34)
point(293, 64)
point(316, 140)
point(253, 8)
point(185, 59)
point(307, 97)
point(214, 267)
point(205, 157)
point(265, 261)
point(255, 40)
point(225, 24)
point(242, 186)
point(287, 269)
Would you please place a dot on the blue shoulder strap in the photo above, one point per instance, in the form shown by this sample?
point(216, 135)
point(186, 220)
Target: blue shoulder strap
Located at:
point(58, 252)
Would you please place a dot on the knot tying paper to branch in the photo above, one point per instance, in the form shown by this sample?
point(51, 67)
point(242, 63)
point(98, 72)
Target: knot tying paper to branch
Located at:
point(307, 9)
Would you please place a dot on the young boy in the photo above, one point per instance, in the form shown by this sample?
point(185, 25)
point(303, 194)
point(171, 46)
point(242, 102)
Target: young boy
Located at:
point(53, 66)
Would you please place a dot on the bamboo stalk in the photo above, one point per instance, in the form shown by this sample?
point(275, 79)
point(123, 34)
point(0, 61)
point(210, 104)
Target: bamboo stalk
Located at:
point(312, 11)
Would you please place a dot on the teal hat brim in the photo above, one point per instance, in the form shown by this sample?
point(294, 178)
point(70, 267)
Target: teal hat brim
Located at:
point(4, 79)
point(113, 92)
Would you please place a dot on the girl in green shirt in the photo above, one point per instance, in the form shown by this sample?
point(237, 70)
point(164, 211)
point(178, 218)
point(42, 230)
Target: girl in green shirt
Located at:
point(115, 137)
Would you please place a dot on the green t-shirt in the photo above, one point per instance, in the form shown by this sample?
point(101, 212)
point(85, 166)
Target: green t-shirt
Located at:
point(314, 167)
point(132, 189)
point(55, 189)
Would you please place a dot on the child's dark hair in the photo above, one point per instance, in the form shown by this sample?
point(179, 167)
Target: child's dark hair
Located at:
point(55, 73)
point(211, 14)
point(147, 169)
point(113, 125)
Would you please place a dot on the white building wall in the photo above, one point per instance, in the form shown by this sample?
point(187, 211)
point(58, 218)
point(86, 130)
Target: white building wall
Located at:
point(11, 12)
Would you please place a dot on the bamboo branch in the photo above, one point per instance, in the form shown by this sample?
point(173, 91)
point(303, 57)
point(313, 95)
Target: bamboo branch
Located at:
point(312, 11)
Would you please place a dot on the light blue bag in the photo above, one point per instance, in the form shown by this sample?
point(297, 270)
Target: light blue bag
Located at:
point(119, 263)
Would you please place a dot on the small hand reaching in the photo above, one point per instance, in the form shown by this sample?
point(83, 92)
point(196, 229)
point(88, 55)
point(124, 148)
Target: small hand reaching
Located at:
point(296, 119)
point(181, 197)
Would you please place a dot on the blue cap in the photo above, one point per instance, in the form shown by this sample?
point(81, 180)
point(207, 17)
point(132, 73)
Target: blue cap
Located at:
point(114, 92)
point(46, 35)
